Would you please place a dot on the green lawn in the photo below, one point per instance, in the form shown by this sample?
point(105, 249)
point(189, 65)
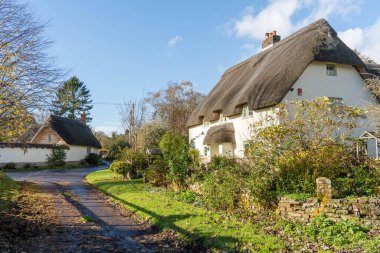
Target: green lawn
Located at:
point(195, 224)
point(8, 191)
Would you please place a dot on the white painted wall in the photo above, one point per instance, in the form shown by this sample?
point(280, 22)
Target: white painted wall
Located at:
point(17, 155)
point(38, 155)
point(314, 82)
point(242, 134)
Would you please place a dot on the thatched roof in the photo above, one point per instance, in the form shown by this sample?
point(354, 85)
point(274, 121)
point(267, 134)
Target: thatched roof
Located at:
point(28, 145)
point(219, 134)
point(73, 132)
point(265, 78)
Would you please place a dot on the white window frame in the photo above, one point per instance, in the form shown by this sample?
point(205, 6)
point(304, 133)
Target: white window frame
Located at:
point(222, 118)
point(246, 112)
point(331, 70)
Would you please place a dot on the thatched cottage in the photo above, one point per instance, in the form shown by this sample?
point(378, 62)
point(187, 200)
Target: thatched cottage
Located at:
point(37, 142)
point(312, 62)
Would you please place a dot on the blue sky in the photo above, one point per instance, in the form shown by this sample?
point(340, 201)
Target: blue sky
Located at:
point(124, 49)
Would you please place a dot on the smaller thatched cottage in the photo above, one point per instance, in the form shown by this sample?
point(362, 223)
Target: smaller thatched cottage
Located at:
point(74, 135)
point(312, 62)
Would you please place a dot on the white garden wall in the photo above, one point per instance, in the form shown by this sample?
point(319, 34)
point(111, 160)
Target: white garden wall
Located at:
point(36, 154)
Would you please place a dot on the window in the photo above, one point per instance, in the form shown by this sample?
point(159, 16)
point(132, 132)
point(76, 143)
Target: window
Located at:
point(88, 150)
point(331, 70)
point(206, 123)
point(206, 150)
point(222, 118)
point(247, 112)
point(49, 138)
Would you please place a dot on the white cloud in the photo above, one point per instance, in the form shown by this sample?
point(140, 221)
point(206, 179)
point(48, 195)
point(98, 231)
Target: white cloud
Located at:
point(248, 46)
point(278, 14)
point(366, 40)
point(352, 37)
point(174, 41)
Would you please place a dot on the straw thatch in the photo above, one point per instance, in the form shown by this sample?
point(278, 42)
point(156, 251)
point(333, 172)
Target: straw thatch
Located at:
point(264, 79)
point(220, 134)
point(72, 131)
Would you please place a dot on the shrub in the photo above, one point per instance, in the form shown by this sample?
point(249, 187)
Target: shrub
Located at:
point(223, 188)
point(175, 150)
point(156, 173)
point(121, 168)
point(138, 160)
point(57, 156)
point(92, 159)
point(304, 140)
point(361, 180)
point(9, 166)
point(187, 196)
point(27, 166)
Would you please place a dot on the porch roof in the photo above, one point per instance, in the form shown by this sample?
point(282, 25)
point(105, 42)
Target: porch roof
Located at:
point(220, 134)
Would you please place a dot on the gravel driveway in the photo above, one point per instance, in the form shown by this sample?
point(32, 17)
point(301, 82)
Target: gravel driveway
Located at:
point(106, 229)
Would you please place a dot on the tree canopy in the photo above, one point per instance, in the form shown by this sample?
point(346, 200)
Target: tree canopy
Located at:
point(72, 99)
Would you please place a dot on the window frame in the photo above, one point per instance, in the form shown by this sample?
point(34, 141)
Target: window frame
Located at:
point(331, 72)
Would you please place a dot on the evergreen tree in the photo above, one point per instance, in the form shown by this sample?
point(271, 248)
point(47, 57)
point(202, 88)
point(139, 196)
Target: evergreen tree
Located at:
point(72, 99)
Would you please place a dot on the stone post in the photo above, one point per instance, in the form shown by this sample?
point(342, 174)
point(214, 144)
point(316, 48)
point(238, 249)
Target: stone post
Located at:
point(324, 190)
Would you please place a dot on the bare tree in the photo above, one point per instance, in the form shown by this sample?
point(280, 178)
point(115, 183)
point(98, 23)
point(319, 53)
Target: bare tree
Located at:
point(26, 66)
point(27, 74)
point(132, 116)
point(175, 104)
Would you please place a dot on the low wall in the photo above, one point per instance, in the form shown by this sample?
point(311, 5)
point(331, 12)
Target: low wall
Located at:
point(363, 209)
point(366, 209)
point(36, 153)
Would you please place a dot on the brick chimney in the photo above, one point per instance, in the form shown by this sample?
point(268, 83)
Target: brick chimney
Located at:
point(83, 118)
point(270, 39)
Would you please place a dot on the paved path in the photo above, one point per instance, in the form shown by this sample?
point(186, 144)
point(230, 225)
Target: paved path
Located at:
point(110, 231)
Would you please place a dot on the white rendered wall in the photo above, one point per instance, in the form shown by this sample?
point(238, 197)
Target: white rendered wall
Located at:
point(18, 155)
point(38, 155)
point(242, 133)
point(314, 82)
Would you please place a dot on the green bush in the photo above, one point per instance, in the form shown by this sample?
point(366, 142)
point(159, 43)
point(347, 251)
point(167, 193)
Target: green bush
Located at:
point(9, 166)
point(27, 166)
point(57, 157)
point(175, 150)
point(156, 173)
point(121, 168)
point(187, 196)
point(92, 159)
point(223, 188)
point(137, 159)
point(361, 180)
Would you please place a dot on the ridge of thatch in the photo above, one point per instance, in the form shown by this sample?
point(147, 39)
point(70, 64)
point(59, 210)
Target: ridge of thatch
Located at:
point(72, 131)
point(265, 78)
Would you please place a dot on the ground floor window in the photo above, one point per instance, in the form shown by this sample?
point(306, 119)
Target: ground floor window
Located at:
point(88, 150)
point(206, 150)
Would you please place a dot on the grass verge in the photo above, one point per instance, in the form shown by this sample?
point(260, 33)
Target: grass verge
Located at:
point(8, 192)
point(194, 224)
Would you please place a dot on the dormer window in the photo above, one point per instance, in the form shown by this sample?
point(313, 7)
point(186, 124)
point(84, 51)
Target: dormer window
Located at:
point(206, 123)
point(336, 102)
point(49, 138)
point(222, 118)
point(331, 70)
point(246, 111)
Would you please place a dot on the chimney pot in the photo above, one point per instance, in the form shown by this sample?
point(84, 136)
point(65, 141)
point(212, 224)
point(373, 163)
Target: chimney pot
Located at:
point(83, 118)
point(266, 35)
point(274, 32)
